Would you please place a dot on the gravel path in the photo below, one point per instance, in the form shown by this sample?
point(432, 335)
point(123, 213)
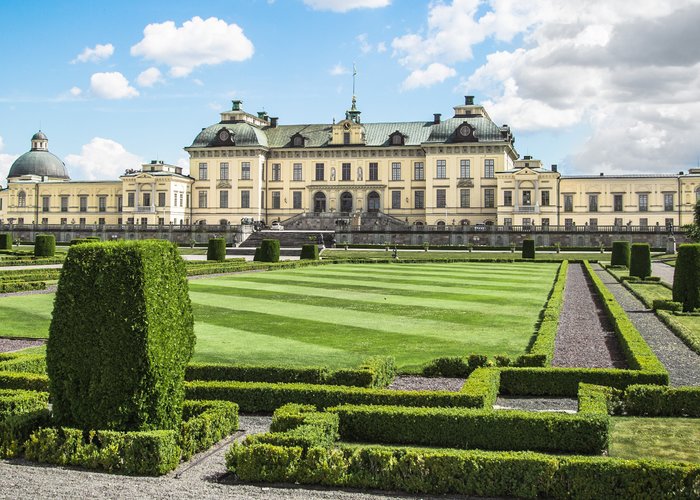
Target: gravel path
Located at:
point(663, 271)
point(415, 383)
point(567, 405)
point(683, 365)
point(7, 344)
point(585, 337)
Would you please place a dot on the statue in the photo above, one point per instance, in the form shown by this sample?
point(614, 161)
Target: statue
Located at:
point(359, 173)
point(332, 173)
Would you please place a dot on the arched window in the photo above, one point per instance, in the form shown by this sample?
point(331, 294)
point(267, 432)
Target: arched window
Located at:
point(441, 224)
point(21, 199)
point(346, 202)
point(373, 202)
point(319, 202)
point(464, 222)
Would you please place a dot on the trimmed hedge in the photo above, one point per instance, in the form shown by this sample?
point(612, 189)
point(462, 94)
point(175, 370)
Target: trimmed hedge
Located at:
point(22, 380)
point(309, 252)
point(44, 245)
point(252, 373)
point(28, 363)
point(205, 423)
point(375, 371)
point(269, 251)
point(640, 260)
point(688, 336)
point(620, 254)
point(528, 249)
point(16, 429)
point(120, 337)
point(299, 425)
point(543, 344)
point(15, 402)
point(5, 241)
point(686, 279)
point(656, 401)
point(216, 249)
point(21, 286)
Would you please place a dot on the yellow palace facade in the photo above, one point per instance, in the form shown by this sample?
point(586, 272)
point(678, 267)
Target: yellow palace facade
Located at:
point(247, 167)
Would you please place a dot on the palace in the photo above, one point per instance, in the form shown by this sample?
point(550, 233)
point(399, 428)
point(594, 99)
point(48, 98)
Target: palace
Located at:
point(459, 170)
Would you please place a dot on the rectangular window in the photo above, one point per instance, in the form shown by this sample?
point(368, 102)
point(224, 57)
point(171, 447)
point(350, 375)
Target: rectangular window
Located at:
point(202, 171)
point(202, 199)
point(441, 198)
point(419, 197)
point(668, 202)
point(489, 169)
point(489, 198)
point(276, 200)
point(508, 221)
point(101, 221)
point(545, 221)
point(245, 199)
point(669, 224)
point(592, 202)
point(82, 221)
point(593, 223)
point(396, 199)
point(465, 171)
point(508, 198)
point(395, 171)
point(527, 198)
point(276, 172)
point(441, 169)
point(545, 198)
point(296, 200)
point(418, 171)
point(146, 200)
point(223, 199)
point(44, 220)
point(64, 221)
point(45, 203)
point(161, 221)
point(464, 198)
point(618, 221)
point(643, 203)
point(64, 203)
point(568, 224)
point(188, 197)
point(568, 203)
point(319, 171)
point(245, 171)
point(345, 172)
point(297, 172)
point(83, 203)
point(374, 171)
point(346, 137)
point(617, 203)
point(644, 222)
point(527, 221)
point(223, 171)
point(130, 199)
point(161, 199)
point(102, 203)
point(120, 203)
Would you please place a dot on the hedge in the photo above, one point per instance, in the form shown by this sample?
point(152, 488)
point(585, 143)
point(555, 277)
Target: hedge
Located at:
point(205, 423)
point(5, 241)
point(16, 429)
point(528, 249)
point(656, 401)
point(309, 252)
point(269, 251)
point(299, 425)
point(640, 260)
point(22, 380)
point(688, 336)
point(28, 363)
point(120, 337)
point(686, 279)
point(14, 402)
point(44, 245)
point(375, 371)
point(21, 286)
point(543, 344)
point(620, 254)
point(483, 385)
point(216, 249)
point(30, 274)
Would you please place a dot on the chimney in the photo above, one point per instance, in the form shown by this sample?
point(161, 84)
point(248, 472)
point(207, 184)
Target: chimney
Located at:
point(273, 121)
point(528, 157)
point(262, 115)
point(554, 167)
point(436, 118)
point(602, 174)
point(468, 100)
point(236, 105)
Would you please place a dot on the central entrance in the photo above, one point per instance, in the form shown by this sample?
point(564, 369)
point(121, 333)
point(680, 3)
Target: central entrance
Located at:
point(373, 202)
point(346, 202)
point(319, 203)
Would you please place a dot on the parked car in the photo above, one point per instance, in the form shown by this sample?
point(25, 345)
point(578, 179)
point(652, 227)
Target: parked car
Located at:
point(276, 226)
point(480, 227)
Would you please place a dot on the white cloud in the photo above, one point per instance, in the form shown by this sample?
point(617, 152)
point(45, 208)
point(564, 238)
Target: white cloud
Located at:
point(435, 73)
point(112, 86)
point(149, 77)
point(75, 91)
point(101, 159)
point(365, 46)
point(6, 161)
point(197, 42)
point(381, 47)
point(99, 53)
point(346, 5)
point(184, 162)
point(339, 70)
point(198, 82)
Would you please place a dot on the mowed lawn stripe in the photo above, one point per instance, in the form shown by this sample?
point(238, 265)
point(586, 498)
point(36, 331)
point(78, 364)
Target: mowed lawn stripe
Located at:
point(449, 269)
point(26, 315)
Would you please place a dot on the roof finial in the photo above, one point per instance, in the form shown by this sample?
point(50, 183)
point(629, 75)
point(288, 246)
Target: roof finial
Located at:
point(354, 74)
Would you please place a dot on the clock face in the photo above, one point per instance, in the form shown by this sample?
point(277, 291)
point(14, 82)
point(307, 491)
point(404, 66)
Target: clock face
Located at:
point(224, 135)
point(346, 126)
point(464, 130)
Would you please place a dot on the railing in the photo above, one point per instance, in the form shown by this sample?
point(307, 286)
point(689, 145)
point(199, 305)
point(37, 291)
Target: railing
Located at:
point(145, 210)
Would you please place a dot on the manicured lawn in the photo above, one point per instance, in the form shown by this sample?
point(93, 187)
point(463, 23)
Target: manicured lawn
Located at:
point(660, 438)
point(26, 315)
point(340, 254)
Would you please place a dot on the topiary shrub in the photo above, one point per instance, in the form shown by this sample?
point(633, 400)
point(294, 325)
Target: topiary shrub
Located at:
point(640, 260)
point(120, 338)
point(528, 249)
point(686, 279)
point(45, 245)
point(269, 251)
point(620, 254)
point(309, 252)
point(216, 249)
point(5, 241)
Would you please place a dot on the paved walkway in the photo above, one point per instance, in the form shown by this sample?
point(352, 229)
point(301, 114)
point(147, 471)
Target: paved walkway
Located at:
point(663, 271)
point(683, 365)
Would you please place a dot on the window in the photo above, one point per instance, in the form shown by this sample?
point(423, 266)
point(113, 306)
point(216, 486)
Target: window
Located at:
point(668, 202)
point(464, 201)
point(245, 171)
point(488, 198)
point(441, 198)
point(396, 171)
point(527, 221)
point(223, 199)
point(120, 203)
point(21, 199)
point(82, 221)
point(188, 201)
point(101, 221)
point(161, 199)
point(296, 200)
point(45, 203)
point(319, 171)
point(298, 141)
point(592, 202)
point(296, 172)
point(64, 221)
point(617, 203)
point(419, 199)
point(202, 199)
point(507, 221)
point(397, 139)
point(545, 221)
point(419, 171)
point(618, 221)
point(130, 199)
point(245, 199)
point(374, 171)
point(593, 224)
point(64, 203)
point(643, 203)
point(223, 171)
point(102, 203)
point(346, 137)
point(527, 198)
point(508, 198)
point(345, 172)
point(568, 224)
point(83, 203)
point(146, 199)
point(465, 169)
point(276, 172)
point(669, 224)
point(568, 203)
point(276, 199)
point(441, 169)
point(396, 198)
point(545, 198)
point(202, 171)
point(644, 222)
point(488, 169)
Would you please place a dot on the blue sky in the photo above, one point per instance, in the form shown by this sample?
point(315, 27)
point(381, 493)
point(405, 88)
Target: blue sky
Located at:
point(589, 85)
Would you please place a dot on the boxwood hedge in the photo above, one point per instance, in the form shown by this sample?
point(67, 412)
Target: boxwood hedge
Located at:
point(640, 260)
point(309, 252)
point(216, 249)
point(5, 241)
point(686, 279)
point(620, 254)
point(44, 245)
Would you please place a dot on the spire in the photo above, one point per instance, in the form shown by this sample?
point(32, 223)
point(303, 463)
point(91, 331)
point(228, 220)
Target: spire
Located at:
point(353, 113)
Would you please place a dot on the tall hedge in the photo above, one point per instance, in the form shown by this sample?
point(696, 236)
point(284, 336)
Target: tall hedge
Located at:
point(309, 252)
point(640, 260)
point(620, 254)
point(45, 245)
point(528, 249)
point(120, 338)
point(216, 249)
point(5, 241)
point(686, 279)
point(269, 251)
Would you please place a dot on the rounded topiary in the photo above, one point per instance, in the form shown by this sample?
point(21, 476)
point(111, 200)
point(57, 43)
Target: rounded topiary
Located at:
point(216, 249)
point(686, 279)
point(120, 338)
point(528, 249)
point(5, 241)
point(640, 260)
point(620, 254)
point(269, 251)
point(45, 245)
point(309, 252)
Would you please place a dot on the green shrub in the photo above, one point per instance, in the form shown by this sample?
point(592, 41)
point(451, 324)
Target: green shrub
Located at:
point(269, 251)
point(258, 255)
point(253, 373)
point(686, 279)
point(597, 399)
point(5, 241)
point(21, 286)
point(375, 371)
point(216, 249)
point(205, 423)
point(16, 429)
point(640, 260)
point(528, 249)
point(22, 380)
point(690, 337)
point(121, 336)
point(446, 366)
point(666, 305)
point(27, 363)
point(78, 241)
point(309, 252)
point(44, 245)
point(483, 385)
point(657, 401)
point(299, 425)
point(14, 402)
point(620, 254)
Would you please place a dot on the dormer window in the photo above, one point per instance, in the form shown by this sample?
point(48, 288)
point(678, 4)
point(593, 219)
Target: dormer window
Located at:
point(298, 140)
point(224, 137)
point(465, 133)
point(397, 139)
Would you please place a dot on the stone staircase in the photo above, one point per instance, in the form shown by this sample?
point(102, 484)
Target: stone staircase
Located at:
point(290, 241)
